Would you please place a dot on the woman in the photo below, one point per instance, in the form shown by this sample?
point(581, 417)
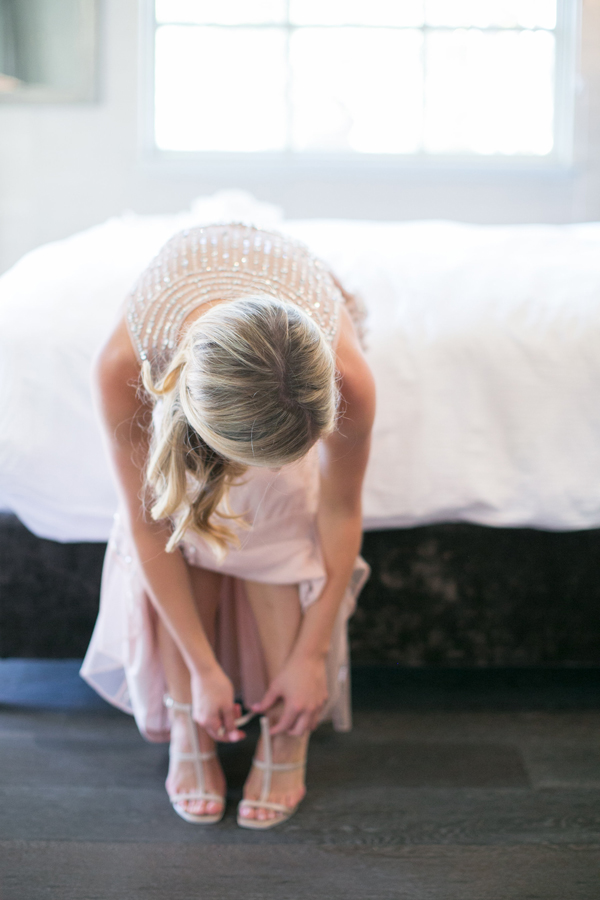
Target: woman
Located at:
point(233, 565)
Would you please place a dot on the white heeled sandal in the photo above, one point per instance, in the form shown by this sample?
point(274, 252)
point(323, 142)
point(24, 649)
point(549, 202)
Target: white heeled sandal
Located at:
point(267, 766)
point(197, 758)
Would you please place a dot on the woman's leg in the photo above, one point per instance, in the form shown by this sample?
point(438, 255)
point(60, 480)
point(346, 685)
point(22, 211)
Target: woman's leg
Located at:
point(181, 777)
point(278, 615)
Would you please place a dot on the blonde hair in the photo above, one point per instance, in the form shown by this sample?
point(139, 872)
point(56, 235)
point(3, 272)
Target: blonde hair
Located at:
point(253, 383)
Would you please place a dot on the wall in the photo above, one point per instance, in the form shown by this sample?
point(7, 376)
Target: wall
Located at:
point(64, 168)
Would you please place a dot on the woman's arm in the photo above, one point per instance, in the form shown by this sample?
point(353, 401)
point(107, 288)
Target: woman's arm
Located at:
point(126, 416)
point(344, 456)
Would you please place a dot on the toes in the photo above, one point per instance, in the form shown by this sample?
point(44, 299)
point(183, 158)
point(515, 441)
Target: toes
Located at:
point(195, 807)
point(260, 813)
point(266, 814)
point(201, 807)
point(213, 807)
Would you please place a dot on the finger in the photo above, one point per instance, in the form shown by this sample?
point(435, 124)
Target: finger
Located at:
point(286, 721)
point(270, 698)
point(230, 737)
point(232, 732)
point(228, 718)
point(202, 721)
point(301, 725)
point(213, 726)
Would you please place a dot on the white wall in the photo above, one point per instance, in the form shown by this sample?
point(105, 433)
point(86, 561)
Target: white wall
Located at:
point(63, 168)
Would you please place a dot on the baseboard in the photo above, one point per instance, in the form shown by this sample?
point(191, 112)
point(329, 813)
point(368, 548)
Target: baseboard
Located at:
point(54, 684)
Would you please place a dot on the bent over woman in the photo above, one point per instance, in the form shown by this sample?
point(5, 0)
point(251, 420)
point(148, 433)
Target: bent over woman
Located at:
point(237, 408)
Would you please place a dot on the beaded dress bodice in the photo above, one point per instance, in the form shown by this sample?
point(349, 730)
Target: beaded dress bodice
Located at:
point(221, 262)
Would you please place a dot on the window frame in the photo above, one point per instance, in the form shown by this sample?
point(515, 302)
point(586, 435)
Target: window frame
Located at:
point(281, 165)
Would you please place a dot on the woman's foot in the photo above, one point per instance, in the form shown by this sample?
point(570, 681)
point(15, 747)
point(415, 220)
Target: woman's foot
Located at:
point(183, 777)
point(287, 786)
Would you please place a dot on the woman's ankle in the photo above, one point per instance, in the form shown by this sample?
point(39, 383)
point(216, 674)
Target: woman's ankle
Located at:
point(180, 732)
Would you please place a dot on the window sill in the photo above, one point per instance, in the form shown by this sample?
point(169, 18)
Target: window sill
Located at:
point(285, 167)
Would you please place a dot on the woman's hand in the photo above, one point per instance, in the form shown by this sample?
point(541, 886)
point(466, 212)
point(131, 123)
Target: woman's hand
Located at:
point(302, 687)
point(213, 705)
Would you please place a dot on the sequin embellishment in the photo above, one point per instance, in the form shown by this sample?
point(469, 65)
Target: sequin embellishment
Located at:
point(221, 262)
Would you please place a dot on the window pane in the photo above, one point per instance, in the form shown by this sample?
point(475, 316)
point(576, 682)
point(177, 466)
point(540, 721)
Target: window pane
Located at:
point(220, 88)
point(221, 12)
point(489, 92)
point(356, 12)
point(491, 13)
point(356, 90)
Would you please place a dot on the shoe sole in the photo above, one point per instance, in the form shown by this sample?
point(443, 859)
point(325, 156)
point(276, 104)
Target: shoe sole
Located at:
point(197, 819)
point(264, 824)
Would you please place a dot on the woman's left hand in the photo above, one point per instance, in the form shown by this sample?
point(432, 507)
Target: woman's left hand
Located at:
point(302, 688)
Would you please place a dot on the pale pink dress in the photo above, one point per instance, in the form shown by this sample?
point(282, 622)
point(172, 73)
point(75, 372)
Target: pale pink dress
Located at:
point(281, 545)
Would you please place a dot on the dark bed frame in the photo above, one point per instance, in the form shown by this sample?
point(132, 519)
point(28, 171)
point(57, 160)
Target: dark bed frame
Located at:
point(439, 595)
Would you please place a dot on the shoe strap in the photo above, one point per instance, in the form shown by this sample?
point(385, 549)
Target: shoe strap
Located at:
point(187, 708)
point(195, 795)
point(266, 804)
point(184, 756)
point(268, 766)
point(278, 767)
point(195, 756)
point(175, 705)
point(243, 720)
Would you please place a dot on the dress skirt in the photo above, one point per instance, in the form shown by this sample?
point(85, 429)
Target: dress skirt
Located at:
point(279, 545)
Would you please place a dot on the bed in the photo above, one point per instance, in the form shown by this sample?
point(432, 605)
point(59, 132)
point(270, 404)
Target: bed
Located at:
point(484, 341)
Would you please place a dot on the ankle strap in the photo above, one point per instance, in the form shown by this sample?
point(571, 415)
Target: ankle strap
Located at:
point(185, 756)
point(239, 723)
point(278, 767)
point(243, 720)
point(187, 708)
point(176, 706)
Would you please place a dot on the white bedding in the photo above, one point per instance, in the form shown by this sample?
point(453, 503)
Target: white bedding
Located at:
point(484, 342)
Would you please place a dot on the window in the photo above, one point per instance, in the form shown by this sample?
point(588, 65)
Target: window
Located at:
point(363, 79)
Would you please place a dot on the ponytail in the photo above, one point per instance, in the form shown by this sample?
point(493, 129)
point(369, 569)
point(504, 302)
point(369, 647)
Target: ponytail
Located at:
point(188, 479)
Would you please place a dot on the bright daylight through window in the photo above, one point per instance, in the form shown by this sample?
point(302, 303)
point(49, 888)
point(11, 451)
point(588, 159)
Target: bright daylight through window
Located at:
point(349, 77)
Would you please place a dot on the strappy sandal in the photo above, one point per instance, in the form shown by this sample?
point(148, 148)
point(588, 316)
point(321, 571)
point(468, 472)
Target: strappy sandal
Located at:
point(267, 766)
point(197, 758)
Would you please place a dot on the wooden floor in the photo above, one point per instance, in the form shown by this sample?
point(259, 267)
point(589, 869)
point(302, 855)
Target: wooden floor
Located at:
point(419, 804)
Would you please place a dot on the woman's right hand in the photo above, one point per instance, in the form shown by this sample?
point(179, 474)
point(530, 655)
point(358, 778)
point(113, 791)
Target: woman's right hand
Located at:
point(213, 705)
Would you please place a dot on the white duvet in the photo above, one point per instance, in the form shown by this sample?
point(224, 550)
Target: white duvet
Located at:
point(484, 342)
